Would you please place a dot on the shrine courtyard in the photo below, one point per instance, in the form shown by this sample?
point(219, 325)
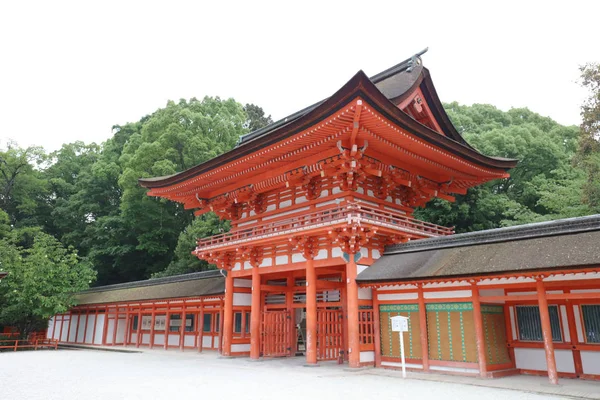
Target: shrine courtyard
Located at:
point(155, 374)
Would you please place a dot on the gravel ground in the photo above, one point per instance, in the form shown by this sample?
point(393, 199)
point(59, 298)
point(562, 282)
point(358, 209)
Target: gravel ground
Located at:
point(86, 374)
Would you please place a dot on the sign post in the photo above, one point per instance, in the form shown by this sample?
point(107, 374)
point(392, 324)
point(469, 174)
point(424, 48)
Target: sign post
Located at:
point(400, 325)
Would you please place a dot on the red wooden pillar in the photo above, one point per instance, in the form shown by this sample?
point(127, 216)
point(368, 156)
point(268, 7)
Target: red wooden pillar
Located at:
point(255, 315)
point(167, 327)
point(376, 327)
point(86, 324)
point(105, 327)
point(62, 323)
point(423, 328)
point(115, 326)
point(311, 312)
point(479, 337)
point(152, 326)
point(200, 325)
point(546, 331)
point(54, 327)
point(227, 319)
point(221, 319)
point(344, 301)
point(77, 328)
point(182, 328)
point(138, 336)
point(127, 330)
point(94, 326)
point(69, 328)
point(352, 296)
point(574, 339)
point(289, 304)
point(509, 337)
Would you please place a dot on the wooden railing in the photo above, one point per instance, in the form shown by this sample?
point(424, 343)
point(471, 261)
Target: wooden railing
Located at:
point(328, 216)
point(16, 344)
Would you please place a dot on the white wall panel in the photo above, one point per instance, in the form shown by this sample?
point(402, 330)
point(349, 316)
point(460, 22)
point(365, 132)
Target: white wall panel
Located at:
point(533, 359)
point(99, 328)
point(591, 362)
point(367, 356)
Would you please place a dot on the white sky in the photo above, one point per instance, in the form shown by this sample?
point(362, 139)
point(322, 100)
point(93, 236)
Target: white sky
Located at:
point(71, 70)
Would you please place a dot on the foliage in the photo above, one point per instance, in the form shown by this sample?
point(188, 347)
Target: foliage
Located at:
point(588, 157)
point(43, 275)
point(545, 184)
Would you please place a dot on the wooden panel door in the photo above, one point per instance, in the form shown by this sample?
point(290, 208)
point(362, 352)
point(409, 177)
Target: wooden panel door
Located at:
point(276, 337)
point(330, 337)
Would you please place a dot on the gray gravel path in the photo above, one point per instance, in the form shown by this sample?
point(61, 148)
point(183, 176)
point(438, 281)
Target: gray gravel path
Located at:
point(86, 374)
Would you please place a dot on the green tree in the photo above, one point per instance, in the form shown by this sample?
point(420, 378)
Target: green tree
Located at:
point(588, 157)
point(256, 117)
point(43, 275)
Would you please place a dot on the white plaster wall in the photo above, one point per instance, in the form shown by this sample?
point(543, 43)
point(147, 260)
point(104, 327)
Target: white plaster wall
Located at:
point(173, 339)
point(399, 365)
point(452, 369)
point(375, 254)
point(397, 296)
point(301, 199)
point(491, 292)
point(336, 252)
point(189, 341)
point(242, 299)
point(365, 293)
point(286, 203)
point(145, 338)
point(281, 260)
point(564, 323)
point(50, 329)
point(564, 361)
point(367, 356)
point(447, 294)
point(513, 324)
point(73, 333)
point(57, 330)
point(109, 332)
point(237, 266)
point(159, 339)
point(240, 347)
point(364, 252)
point(322, 254)
point(578, 324)
point(80, 328)
point(297, 257)
point(89, 333)
point(134, 337)
point(99, 329)
point(65, 330)
point(533, 359)
point(121, 325)
point(267, 262)
point(591, 362)
point(207, 341)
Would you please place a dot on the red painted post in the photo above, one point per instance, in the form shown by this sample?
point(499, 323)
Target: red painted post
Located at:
point(94, 326)
point(62, 323)
point(352, 296)
point(574, 339)
point(54, 326)
point(546, 331)
point(376, 326)
point(152, 326)
point(127, 330)
point(255, 315)
point(167, 327)
point(228, 315)
point(115, 326)
point(200, 325)
point(423, 328)
point(69, 328)
point(479, 337)
point(311, 311)
point(182, 328)
point(85, 325)
point(289, 305)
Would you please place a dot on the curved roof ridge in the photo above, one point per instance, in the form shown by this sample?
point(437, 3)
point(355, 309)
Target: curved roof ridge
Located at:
point(158, 281)
point(506, 234)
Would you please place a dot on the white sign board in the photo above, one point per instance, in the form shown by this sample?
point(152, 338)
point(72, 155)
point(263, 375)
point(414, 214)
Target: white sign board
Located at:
point(399, 324)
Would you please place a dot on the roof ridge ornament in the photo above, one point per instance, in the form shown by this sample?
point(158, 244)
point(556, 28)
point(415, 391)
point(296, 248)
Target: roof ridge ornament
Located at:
point(416, 59)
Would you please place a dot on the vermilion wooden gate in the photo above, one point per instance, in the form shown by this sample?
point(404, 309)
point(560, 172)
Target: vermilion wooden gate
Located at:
point(330, 336)
point(276, 338)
